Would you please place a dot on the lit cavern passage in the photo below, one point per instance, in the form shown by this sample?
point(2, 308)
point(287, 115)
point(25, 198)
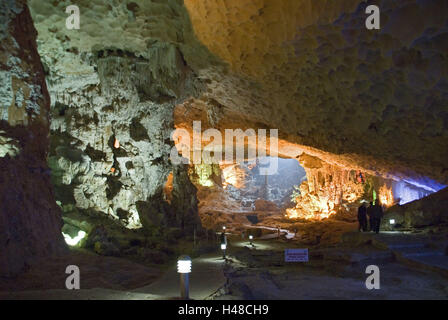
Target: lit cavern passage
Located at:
point(92, 168)
point(306, 188)
point(243, 190)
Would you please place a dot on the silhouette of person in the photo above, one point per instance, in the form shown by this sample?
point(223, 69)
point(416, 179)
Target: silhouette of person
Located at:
point(370, 215)
point(362, 217)
point(377, 216)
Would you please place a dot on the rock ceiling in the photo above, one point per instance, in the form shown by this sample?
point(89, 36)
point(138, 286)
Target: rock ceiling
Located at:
point(372, 100)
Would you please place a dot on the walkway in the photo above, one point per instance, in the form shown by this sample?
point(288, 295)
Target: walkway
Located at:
point(206, 278)
point(422, 251)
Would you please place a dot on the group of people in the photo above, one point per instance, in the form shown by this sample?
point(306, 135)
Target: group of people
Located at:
point(374, 213)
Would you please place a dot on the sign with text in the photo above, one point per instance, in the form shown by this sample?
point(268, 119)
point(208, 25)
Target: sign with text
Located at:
point(296, 255)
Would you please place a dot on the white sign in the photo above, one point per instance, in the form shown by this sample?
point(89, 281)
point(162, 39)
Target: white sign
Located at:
point(296, 255)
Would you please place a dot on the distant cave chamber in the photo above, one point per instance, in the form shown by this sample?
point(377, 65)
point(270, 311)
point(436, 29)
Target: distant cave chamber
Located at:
point(301, 189)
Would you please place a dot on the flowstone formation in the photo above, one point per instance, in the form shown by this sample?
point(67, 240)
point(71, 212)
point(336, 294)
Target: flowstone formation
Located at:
point(112, 113)
point(327, 190)
point(30, 220)
point(332, 191)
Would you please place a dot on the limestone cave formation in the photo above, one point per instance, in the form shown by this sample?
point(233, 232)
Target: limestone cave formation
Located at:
point(154, 127)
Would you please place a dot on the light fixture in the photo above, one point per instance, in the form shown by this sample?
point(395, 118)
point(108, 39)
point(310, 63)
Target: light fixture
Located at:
point(392, 221)
point(223, 227)
point(74, 241)
point(223, 248)
point(184, 264)
point(184, 268)
point(251, 237)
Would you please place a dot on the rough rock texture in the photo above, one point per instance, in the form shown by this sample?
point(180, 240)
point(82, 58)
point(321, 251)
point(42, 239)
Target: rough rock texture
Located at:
point(112, 110)
point(327, 190)
point(30, 220)
point(428, 211)
point(332, 190)
point(371, 100)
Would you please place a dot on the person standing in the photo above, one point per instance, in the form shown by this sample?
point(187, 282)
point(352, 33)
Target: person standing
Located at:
point(370, 215)
point(377, 216)
point(362, 217)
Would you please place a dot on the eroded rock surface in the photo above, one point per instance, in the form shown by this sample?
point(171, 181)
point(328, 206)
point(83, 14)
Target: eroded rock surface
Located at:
point(30, 220)
point(113, 95)
point(426, 212)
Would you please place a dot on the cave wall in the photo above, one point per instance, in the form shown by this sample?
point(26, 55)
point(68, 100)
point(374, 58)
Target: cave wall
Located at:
point(111, 140)
point(427, 212)
point(30, 220)
point(113, 96)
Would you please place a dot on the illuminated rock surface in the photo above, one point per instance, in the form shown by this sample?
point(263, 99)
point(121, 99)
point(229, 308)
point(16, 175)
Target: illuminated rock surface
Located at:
point(112, 111)
point(30, 220)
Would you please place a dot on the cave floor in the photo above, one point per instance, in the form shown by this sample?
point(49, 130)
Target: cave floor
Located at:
point(258, 271)
point(207, 277)
point(339, 272)
point(46, 279)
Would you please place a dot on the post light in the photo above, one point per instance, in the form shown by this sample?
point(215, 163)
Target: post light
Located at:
point(223, 248)
point(224, 228)
point(392, 221)
point(251, 237)
point(184, 268)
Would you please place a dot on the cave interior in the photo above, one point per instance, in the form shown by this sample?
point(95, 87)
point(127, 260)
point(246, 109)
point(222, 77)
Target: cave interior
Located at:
point(114, 147)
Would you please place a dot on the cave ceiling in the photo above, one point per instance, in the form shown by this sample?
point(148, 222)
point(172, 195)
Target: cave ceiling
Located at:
point(375, 100)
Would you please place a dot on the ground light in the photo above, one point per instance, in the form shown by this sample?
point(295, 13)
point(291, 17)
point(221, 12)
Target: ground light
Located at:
point(223, 248)
point(184, 268)
point(74, 241)
point(392, 221)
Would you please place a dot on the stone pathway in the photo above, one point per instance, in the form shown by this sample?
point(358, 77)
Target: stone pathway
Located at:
point(206, 278)
point(283, 232)
point(425, 252)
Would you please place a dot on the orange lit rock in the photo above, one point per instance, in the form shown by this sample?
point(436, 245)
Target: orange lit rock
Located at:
point(168, 188)
point(327, 188)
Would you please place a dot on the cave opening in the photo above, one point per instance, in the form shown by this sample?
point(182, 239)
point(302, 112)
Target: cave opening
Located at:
point(247, 183)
